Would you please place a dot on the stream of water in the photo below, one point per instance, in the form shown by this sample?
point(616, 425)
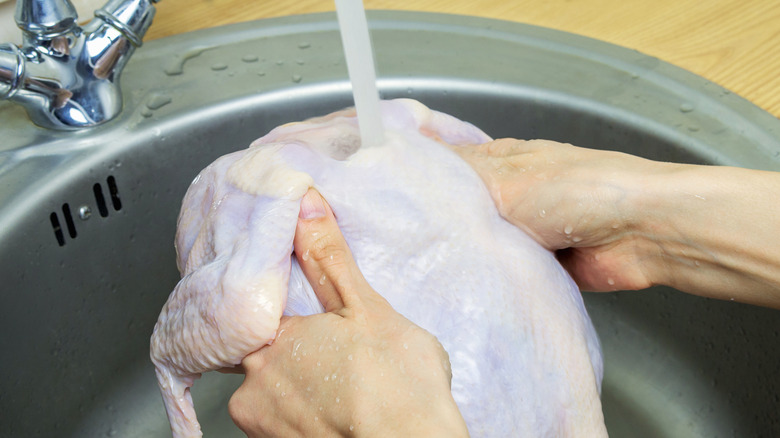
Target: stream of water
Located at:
point(360, 65)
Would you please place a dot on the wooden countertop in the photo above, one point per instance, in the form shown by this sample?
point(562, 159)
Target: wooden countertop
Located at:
point(734, 43)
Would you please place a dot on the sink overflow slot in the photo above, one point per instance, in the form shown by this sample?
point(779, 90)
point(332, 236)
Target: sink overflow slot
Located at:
point(102, 206)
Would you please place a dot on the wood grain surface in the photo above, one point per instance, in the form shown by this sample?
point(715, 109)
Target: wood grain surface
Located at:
point(734, 43)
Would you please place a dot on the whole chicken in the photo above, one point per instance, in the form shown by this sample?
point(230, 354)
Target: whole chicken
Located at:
point(424, 231)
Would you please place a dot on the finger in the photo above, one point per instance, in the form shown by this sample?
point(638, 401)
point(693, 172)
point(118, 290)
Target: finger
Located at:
point(325, 257)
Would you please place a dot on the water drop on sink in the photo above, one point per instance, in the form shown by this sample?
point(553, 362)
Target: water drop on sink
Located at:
point(296, 78)
point(157, 101)
point(300, 61)
point(686, 107)
point(304, 45)
point(261, 73)
point(146, 112)
point(219, 66)
point(250, 58)
point(280, 62)
point(693, 128)
point(176, 66)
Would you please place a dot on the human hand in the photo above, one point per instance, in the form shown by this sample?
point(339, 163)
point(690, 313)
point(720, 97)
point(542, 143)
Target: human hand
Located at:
point(359, 369)
point(620, 222)
point(576, 201)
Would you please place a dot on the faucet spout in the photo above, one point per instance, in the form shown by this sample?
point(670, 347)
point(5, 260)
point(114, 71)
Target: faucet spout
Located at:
point(67, 77)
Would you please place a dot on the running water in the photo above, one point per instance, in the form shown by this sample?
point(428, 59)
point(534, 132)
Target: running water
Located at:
point(360, 65)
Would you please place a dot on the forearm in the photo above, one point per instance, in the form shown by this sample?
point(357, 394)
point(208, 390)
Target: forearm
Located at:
point(715, 232)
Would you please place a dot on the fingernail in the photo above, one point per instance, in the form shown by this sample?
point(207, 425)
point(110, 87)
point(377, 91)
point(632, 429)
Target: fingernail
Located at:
point(312, 206)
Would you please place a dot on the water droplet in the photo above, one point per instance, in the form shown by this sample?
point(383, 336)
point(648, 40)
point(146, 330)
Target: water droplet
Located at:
point(326, 378)
point(146, 112)
point(250, 58)
point(686, 107)
point(283, 393)
point(157, 101)
point(693, 128)
point(296, 78)
point(576, 239)
point(542, 213)
point(305, 256)
point(176, 66)
point(304, 45)
point(300, 61)
point(338, 400)
point(406, 346)
point(278, 384)
point(409, 91)
point(610, 282)
point(634, 75)
point(261, 73)
point(280, 62)
point(219, 66)
point(351, 427)
point(322, 279)
point(316, 418)
point(568, 229)
point(349, 357)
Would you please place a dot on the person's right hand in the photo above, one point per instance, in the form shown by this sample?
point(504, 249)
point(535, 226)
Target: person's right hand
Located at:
point(359, 369)
point(621, 222)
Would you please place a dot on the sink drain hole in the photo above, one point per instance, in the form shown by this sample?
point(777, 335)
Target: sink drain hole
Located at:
point(114, 192)
point(84, 211)
point(55, 224)
point(69, 220)
point(100, 200)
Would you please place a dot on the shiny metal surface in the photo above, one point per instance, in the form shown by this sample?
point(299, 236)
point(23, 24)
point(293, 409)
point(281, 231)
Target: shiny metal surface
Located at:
point(67, 77)
point(81, 296)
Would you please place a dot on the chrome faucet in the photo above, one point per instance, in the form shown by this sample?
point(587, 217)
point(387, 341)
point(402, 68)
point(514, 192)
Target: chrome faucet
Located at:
point(66, 76)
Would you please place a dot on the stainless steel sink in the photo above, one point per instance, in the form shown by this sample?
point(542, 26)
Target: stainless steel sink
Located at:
point(87, 219)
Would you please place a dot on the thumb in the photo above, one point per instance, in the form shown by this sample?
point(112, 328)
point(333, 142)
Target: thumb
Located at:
point(325, 257)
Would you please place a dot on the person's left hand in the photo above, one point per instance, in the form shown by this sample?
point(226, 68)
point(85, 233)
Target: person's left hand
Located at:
point(359, 369)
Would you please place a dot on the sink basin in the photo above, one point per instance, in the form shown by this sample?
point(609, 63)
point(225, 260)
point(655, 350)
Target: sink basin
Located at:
point(87, 219)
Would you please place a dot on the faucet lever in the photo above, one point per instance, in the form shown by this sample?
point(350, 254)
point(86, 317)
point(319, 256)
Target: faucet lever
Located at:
point(45, 18)
point(67, 77)
point(131, 18)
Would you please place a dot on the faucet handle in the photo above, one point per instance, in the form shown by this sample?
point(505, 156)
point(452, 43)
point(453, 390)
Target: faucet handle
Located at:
point(130, 17)
point(45, 18)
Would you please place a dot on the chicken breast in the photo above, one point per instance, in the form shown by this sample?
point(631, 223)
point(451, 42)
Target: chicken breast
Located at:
point(425, 233)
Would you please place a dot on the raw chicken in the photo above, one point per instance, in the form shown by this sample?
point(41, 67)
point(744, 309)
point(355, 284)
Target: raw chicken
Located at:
point(525, 358)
